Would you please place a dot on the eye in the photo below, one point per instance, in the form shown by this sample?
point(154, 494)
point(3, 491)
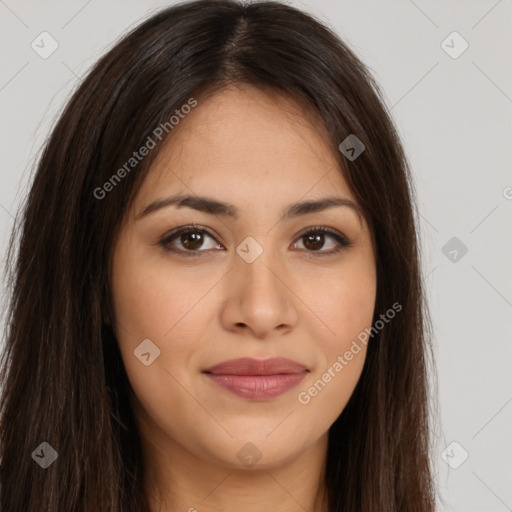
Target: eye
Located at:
point(315, 240)
point(191, 238)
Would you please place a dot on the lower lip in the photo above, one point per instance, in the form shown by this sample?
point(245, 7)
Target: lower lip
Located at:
point(258, 387)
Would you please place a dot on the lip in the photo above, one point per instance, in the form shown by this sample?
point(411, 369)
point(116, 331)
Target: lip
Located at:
point(257, 379)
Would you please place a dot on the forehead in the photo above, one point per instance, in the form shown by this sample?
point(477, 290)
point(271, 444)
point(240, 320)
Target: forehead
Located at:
point(242, 138)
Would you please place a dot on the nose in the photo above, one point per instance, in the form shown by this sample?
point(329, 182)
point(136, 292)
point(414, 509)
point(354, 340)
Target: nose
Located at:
point(260, 297)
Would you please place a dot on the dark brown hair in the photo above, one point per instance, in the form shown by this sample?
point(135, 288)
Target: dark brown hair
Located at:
point(62, 375)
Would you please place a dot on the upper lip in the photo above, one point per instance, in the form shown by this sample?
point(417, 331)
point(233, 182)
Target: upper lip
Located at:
point(249, 366)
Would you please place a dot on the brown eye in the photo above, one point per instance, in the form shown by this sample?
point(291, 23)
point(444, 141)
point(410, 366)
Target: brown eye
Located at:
point(188, 240)
point(191, 239)
point(315, 240)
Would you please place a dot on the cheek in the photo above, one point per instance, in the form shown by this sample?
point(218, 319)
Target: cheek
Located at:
point(152, 298)
point(153, 301)
point(347, 314)
point(346, 306)
point(346, 303)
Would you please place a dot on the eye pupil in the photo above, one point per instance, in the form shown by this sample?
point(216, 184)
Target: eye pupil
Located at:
point(192, 239)
point(316, 240)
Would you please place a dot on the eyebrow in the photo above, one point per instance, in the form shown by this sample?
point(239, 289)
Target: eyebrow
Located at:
point(214, 207)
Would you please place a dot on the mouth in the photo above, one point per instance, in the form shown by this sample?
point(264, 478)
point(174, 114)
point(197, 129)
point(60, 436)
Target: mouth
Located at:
point(257, 379)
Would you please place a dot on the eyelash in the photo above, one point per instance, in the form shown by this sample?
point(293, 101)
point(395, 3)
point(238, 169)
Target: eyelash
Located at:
point(343, 242)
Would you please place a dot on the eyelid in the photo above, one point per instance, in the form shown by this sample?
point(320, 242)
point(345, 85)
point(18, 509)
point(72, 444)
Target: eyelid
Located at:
point(167, 238)
point(343, 241)
point(340, 237)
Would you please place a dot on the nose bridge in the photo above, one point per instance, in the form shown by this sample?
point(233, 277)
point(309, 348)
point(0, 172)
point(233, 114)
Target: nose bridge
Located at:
point(261, 294)
point(259, 262)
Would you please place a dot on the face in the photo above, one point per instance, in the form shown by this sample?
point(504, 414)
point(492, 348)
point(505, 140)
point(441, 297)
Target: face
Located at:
point(253, 281)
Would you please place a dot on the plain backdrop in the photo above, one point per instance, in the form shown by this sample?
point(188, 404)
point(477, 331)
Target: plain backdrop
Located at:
point(451, 99)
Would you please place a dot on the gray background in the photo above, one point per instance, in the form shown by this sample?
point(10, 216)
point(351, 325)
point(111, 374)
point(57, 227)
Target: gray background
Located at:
point(454, 117)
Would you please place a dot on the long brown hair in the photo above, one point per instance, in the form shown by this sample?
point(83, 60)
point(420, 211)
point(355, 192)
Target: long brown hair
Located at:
point(62, 375)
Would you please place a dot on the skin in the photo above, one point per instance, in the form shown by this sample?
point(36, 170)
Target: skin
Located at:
point(259, 152)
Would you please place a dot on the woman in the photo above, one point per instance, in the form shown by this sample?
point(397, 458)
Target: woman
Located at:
point(216, 297)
